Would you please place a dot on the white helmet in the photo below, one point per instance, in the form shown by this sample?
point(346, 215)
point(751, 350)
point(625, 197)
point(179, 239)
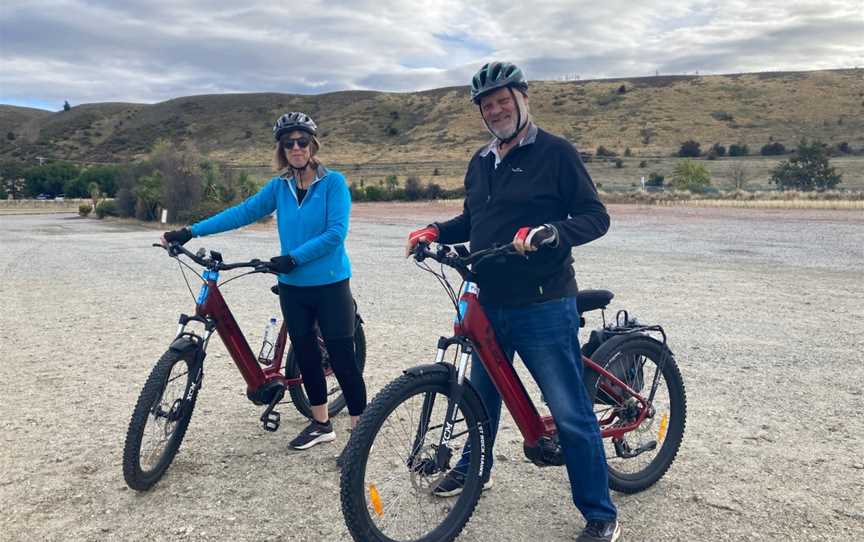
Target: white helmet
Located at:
point(294, 121)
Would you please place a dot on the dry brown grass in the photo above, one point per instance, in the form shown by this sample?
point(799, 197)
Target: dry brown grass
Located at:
point(442, 125)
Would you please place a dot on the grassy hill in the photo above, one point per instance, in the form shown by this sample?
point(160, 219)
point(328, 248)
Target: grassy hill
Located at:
point(376, 131)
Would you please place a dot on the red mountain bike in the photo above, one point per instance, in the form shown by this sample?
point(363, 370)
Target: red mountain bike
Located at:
point(165, 405)
point(419, 425)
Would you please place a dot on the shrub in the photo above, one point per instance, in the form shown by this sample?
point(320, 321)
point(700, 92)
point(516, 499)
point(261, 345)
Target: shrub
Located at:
point(10, 136)
point(844, 148)
point(84, 209)
point(655, 179)
point(647, 133)
point(773, 149)
point(414, 189)
point(603, 151)
point(357, 192)
point(722, 116)
point(375, 193)
point(434, 191)
point(807, 171)
point(67, 107)
point(737, 149)
point(718, 149)
point(690, 175)
point(622, 89)
point(107, 208)
point(619, 163)
point(689, 149)
point(643, 163)
point(627, 152)
point(204, 209)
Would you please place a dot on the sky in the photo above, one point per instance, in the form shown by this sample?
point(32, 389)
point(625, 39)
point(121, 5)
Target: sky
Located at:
point(149, 51)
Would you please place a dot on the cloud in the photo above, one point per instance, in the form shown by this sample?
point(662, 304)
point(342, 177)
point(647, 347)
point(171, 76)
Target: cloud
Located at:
point(95, 51)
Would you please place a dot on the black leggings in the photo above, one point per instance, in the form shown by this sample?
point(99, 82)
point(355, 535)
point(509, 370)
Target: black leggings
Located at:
point(331, 306)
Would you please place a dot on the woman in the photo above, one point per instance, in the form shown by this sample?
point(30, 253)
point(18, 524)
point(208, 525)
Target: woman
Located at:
point(312, 204)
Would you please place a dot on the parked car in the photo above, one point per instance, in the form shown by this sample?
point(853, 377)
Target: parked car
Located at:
point(45, 196)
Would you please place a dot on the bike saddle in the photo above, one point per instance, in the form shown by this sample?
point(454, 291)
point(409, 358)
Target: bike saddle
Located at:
point(590, 300)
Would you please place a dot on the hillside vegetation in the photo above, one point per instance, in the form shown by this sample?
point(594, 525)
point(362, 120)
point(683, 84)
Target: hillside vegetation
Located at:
point(650, 116)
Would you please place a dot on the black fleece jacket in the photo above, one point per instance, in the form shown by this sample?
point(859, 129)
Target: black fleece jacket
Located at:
point(541, 181)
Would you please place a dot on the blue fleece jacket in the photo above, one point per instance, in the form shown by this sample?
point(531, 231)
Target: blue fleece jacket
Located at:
point(312, 232)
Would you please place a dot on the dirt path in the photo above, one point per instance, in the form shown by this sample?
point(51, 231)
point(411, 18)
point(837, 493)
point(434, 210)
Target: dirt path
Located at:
point(763, 308)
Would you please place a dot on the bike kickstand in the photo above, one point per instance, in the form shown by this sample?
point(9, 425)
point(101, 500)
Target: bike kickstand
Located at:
point(270, 418)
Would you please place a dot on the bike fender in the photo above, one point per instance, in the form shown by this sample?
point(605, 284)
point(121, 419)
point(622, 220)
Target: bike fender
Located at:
point(419, 370)
point(614, 342)
point(184, 343)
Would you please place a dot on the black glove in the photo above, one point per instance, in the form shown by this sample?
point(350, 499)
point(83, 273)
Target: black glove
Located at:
point(282, 264)
point(545, 235)
point(181, 237)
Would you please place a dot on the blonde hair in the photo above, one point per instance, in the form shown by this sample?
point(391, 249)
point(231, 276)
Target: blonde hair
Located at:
point(280, 161)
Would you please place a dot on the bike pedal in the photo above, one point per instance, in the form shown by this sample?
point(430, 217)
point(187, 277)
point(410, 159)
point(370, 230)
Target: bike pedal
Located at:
point(270, 421)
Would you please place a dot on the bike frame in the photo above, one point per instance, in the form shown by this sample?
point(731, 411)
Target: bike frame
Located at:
point(212, 310)
point(472, 324)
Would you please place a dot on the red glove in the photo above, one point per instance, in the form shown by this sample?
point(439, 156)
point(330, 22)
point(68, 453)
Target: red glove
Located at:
point(428, 234)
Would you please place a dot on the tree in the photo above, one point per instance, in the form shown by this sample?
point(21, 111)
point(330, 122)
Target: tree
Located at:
point(11, 179)
point(690, 175)
point(689, 148)
point(739, 175)
point(107, 177)
point(808, 170)
point(66, 106)
point(50, 178)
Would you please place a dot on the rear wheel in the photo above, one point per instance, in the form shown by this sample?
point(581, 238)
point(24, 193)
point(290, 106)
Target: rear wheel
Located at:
point(392, 462)
point(642, 456)
point(160, 418)
point(335, 398)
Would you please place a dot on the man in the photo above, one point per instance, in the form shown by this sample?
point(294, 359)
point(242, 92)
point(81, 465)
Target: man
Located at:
point(531, 188)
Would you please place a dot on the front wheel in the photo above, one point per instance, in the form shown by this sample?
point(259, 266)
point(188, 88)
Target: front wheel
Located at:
point(393, 462)
point(642, 456)
point(335, 397)
point(160, 418)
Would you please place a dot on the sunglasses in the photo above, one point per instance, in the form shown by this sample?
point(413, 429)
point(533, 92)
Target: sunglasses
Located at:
point(288, 143)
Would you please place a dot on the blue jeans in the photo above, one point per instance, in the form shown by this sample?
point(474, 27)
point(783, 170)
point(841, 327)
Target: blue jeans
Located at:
point(546, 337)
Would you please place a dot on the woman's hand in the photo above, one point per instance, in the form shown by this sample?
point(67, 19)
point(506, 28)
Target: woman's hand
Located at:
point(181, 237)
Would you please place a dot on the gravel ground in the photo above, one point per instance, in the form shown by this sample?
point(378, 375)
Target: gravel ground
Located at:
point(763, 309)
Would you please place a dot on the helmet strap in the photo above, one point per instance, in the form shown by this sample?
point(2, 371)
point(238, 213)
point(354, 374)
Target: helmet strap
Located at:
point(519, 123)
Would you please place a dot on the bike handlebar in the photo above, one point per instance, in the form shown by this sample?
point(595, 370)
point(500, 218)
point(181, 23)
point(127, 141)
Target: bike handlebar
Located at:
point(459, 258)
point(215, 260)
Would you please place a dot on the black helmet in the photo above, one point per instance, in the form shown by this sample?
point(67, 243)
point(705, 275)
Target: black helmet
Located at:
point(495, 75)
point(294, 121)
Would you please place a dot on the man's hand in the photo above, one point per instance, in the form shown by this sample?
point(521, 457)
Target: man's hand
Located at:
point(530, 239)
point(282, 264)
point(428, 234)
point(180, 237)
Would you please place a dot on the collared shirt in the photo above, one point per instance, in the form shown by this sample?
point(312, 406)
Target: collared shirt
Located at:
point(492, 146)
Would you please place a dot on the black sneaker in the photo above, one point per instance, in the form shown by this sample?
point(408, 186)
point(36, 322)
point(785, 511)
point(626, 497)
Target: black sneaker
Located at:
point(315, 433)
point(601, 531)
point(453, 483)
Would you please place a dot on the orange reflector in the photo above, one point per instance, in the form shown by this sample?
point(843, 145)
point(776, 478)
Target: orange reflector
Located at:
point(376, 500)
point(661, 432)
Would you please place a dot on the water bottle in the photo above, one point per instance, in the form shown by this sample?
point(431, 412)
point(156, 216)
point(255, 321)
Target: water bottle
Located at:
point(268, 347)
